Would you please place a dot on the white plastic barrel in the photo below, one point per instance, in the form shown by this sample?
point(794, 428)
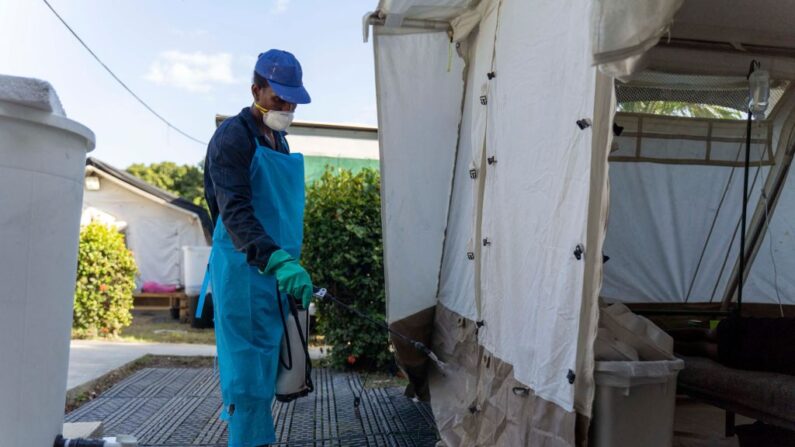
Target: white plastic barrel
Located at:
point(42, 160)
point(194, 266)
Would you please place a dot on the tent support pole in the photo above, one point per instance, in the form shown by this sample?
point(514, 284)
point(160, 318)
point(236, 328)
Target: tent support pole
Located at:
point(683, 312)
point(774, 186)
point(430, 25)
point(762, 220)
point(726, 47)
point(743, 226)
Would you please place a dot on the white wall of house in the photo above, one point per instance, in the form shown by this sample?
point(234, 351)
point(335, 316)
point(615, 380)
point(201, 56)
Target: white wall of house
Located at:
point(338, 141)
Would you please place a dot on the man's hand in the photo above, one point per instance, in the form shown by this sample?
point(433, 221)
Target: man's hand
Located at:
point(291, 277)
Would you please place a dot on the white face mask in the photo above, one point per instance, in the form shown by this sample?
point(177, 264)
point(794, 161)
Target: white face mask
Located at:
point(277, 121)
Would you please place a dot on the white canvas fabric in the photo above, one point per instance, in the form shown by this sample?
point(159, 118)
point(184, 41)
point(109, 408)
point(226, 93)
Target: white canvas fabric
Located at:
point(667, 187)
point(457, 277)
point(536, 194)
point(622, 30)
point(674, 60)
point(768, 281)
point(660, 218)
point(463, 24)
point(760, 22)
point(543, 193)
point(419, 110)
point(458, 286)
point(543, 157)
point(425, 9)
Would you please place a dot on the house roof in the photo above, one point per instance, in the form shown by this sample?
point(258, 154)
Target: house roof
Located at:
point(124, 176)
point(318, 126)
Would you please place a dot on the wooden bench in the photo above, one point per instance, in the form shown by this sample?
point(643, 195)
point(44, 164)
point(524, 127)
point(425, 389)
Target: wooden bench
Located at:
point(176, 302)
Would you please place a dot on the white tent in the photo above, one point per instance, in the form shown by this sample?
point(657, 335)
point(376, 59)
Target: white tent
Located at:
point(156, 224)
point(495, 121)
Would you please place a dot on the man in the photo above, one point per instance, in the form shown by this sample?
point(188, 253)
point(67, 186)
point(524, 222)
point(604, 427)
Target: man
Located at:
point(756, 344)
point(254, 187)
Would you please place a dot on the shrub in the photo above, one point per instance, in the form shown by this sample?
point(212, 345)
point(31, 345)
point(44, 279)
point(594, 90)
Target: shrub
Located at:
point(105, 282)
point(343, 252)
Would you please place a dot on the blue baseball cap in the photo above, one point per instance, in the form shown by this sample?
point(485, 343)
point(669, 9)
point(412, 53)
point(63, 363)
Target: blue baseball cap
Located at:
point(283, 72)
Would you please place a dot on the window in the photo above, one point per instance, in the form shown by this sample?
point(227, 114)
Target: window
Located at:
point(690, 96)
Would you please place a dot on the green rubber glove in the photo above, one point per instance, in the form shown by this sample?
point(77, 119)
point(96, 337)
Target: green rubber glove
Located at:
point(292, 278)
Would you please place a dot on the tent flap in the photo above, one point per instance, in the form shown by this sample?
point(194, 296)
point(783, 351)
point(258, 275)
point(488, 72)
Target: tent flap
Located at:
point(419, 110)
point(622, 30)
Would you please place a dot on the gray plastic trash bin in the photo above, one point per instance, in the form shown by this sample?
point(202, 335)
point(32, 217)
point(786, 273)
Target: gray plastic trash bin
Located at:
point(634, 403)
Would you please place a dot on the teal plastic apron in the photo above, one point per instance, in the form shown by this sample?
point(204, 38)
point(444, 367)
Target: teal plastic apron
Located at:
point(248, 325)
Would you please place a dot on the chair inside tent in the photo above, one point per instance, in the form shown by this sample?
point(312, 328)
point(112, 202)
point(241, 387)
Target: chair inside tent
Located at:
point(505, 181)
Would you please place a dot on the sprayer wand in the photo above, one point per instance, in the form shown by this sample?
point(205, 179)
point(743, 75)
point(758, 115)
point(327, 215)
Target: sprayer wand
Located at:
point(323, 294)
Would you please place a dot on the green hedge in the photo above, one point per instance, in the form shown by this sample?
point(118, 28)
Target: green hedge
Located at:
point(343, 252)
point(105, 282)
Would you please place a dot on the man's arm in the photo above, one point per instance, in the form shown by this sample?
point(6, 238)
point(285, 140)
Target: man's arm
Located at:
point(229, 156)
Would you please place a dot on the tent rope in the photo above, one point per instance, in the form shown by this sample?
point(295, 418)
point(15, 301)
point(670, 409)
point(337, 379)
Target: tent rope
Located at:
point(772, 257)
point(734, 237)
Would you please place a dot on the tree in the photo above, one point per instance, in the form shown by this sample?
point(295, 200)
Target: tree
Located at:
point(680, 108)
point(185, 181)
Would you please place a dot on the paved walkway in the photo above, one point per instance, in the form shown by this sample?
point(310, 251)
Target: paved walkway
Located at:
point(90, 359)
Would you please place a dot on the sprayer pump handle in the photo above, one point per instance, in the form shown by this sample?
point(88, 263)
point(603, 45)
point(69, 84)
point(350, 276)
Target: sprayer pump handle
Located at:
point(319, 292)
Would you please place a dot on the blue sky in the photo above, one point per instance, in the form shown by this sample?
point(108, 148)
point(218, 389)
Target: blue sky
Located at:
point(189, 60)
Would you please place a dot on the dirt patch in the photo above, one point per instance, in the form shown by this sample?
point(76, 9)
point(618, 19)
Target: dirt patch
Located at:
point(156, 325)
point(383, 380)
point(87, 392)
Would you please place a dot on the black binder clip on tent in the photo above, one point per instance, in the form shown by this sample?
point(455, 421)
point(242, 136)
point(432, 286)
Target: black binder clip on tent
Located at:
point(323, 294)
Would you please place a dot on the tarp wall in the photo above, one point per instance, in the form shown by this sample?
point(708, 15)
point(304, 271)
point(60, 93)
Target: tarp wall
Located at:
point(768, 280)
point(672, 180)
point(463, 243)
point(664, 203)
point(512, 230)
point(536, 194)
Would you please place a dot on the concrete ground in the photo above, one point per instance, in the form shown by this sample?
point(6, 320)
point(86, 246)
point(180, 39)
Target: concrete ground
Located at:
point(700, 425)
point(90, 359)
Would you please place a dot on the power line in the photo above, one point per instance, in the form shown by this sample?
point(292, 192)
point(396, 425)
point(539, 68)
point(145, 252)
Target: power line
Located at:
point(143, 103)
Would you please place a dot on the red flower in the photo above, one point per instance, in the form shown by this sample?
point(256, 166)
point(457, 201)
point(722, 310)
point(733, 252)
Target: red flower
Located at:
point(103, 287)
point(351, 359)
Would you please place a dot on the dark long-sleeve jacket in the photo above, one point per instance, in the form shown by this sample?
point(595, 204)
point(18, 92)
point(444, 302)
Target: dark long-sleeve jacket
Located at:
point(227, 184)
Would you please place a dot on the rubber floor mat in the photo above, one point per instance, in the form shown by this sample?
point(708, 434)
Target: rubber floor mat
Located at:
point(181, 407)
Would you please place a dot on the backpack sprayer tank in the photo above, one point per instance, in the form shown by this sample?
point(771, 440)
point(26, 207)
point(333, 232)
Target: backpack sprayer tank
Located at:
point(293, 379)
